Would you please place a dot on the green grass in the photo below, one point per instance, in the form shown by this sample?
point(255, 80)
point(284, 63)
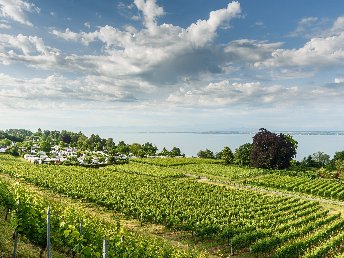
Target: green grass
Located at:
point(25, 248)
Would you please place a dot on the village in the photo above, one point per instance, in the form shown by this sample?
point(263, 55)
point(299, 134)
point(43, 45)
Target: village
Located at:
point(68, 148)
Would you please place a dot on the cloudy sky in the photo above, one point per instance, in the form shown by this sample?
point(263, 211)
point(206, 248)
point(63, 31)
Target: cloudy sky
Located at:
point(178, 65)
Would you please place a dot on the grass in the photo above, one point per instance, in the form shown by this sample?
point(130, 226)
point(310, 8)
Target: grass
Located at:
point(25, 248)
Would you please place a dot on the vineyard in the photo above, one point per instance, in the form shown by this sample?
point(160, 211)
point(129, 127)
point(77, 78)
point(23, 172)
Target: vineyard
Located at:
point(159, 192)
point(319, 187)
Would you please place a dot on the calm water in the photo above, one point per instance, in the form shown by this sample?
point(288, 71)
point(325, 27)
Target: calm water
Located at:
point(191, 143)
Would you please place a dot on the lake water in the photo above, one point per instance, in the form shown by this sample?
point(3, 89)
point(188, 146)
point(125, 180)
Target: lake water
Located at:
point(191, 143)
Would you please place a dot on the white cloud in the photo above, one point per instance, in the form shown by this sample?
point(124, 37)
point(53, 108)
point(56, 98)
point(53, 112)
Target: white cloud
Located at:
point(251, 50)
point(151, 11)
point(29, 50)
point(4, 26)
point(204, 31)
point(161, 54)
point(87, 25)
point(320, 51)
point(339, 80)
point(224, 93)
point(15, 10)
point(57, 89)
point(306, 26)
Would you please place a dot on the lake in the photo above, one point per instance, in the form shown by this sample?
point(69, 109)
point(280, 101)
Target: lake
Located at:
point(190, 143)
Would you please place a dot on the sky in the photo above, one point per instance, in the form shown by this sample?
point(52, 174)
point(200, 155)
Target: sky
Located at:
point(158, 65)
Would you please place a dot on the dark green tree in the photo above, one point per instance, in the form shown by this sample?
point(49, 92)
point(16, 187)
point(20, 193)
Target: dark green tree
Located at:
point(45, 146)
point(226, 155)
point(205, 154)
point(175, 152)
point(164, 152)
point(339, 155)
point(123, 148)
point(136, 149)
point(149, 149)
point(242, 155)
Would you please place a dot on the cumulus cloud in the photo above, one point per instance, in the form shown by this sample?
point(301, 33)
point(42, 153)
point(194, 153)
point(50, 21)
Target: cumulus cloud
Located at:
point(160, 54)
point(321, 51)
point(251, 94)
point(30, 50)
point(151, 11)
point(204, 31)
point(251, 51)
point(225, 93)
point(15, 10)
point(59, 89)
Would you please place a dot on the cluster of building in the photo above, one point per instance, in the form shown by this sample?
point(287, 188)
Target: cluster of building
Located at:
point(59, 155)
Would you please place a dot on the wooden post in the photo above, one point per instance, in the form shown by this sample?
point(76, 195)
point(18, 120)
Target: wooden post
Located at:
point(232, 252)
point(48, 233)
point(15, 234)
point(105, 248)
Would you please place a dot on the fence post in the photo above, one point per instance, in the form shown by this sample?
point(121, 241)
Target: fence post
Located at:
point(15, 235)
point(105, 248)
point(48, 233)
point(232, 251)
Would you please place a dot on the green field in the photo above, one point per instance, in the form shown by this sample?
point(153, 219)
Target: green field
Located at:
point(197, 216)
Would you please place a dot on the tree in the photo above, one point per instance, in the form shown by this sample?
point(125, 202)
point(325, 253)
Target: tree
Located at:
point(45, 146)
point(13, 150)
point(175, 152)
point(242, 155)
point(66, 137)
point(123, 148)
point(272, 151)
point(135, 149)
point(5, 142)
point(226, 155)
point(205, 154)
point(164, 152)
point(321, 158)
point(149, 149)
point(339, 155)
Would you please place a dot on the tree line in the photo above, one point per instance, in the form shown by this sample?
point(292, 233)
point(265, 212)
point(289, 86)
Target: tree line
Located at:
point(275, 151)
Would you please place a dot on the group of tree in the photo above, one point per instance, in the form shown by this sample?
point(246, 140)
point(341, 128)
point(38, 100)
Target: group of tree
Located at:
point(268, 150)
point(225, 154)
point(322, 160)
point(46, 139)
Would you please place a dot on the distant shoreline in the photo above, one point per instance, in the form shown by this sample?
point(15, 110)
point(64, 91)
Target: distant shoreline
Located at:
point(244, 132)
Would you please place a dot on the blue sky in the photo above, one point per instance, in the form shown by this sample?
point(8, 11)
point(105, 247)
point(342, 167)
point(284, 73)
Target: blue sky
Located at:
point(172, 65)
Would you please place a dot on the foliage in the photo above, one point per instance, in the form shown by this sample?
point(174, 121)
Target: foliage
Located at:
point(272, 151)
point(205, 154)
point(45, 146)
point(242, 155)
point(13, 150)
point(315, 186)
point(30, 220)
point(226, 155)
point(339, 155)
point(175, 152)
point(246, 219)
